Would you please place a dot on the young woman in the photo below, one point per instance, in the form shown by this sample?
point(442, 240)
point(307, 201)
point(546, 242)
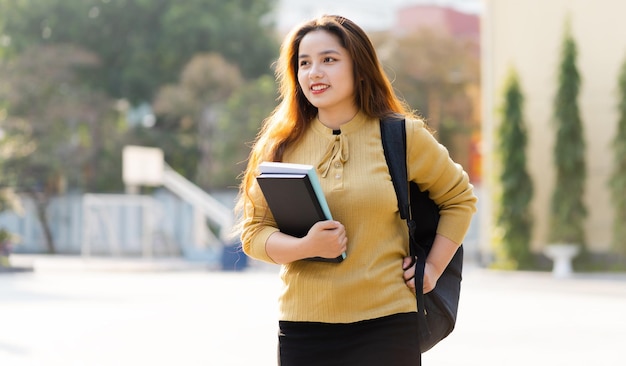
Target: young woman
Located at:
point(360, 311)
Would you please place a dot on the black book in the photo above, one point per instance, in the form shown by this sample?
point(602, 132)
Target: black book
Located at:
point(294, 195)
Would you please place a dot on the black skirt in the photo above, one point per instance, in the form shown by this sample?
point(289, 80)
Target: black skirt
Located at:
point(386, 341)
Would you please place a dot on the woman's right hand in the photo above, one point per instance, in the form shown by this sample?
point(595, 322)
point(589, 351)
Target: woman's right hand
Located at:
point(327, 239)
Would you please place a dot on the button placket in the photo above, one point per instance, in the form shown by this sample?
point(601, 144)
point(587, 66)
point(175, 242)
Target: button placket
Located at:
point(338, 173)
point(332, 163)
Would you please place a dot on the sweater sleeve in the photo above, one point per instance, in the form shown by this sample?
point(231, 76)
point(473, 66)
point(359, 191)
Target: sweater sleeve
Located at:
point(258, 225)
point(430, 166)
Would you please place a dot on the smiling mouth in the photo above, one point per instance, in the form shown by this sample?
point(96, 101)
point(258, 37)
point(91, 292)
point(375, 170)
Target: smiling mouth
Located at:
point(319, 87)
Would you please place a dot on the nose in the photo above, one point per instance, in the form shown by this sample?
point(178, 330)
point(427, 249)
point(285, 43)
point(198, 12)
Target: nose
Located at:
point(316, 72)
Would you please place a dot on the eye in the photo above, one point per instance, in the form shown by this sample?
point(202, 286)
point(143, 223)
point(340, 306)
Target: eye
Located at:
point(303, 63)
point(329, 59)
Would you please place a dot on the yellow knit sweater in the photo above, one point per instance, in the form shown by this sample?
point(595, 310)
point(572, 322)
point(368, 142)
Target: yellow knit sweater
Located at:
point(354, 176)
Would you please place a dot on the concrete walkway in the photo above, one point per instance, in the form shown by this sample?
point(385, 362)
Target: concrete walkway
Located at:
point(74, 312)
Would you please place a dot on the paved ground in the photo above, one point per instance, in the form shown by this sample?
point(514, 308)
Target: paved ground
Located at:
point(70, 312)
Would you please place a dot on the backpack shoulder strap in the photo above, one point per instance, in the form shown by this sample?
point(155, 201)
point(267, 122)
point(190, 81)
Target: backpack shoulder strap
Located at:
point(411, 200)
point(393, 135)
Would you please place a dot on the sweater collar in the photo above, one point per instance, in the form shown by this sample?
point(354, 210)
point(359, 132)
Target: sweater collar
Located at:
point(338, 149)
point(354, 124)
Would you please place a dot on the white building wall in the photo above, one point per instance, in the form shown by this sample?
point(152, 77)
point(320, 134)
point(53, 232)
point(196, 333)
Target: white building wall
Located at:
point(527, 35)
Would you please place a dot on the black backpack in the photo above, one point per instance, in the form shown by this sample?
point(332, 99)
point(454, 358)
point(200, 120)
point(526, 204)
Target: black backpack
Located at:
point(436, 310)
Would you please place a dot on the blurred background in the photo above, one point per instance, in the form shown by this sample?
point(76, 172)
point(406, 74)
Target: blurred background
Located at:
point(125, 124)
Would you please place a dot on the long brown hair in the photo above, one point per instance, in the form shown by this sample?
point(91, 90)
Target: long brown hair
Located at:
point(374, 94)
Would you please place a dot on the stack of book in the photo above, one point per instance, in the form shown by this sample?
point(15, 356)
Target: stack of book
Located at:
point(295, 197)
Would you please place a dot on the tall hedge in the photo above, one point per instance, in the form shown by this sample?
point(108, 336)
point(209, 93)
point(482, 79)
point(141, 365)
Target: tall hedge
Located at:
point(568, 211)
point(618, 178)
point(514, 219)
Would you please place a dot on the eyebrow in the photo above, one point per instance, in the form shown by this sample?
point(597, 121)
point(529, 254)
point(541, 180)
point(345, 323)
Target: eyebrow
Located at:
point(327, 52)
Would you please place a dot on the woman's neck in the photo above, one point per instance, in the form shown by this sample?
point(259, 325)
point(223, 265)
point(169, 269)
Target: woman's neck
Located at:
point(334, 120)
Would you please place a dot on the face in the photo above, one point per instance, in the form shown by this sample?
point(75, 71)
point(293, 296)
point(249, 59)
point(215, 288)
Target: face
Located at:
point(325, 73)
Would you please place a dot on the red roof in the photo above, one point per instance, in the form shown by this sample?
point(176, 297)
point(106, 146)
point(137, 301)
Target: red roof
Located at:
point(453, 22)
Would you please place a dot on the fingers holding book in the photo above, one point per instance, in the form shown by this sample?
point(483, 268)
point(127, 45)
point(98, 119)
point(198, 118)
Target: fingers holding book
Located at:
point(327, 239)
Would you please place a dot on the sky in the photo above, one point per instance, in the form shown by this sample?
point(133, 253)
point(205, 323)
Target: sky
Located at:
point(371, 15)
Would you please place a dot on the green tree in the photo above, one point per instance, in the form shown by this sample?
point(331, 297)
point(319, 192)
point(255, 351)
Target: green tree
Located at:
point(618, 177)
point(435, 73)
point(243, 114)
point(514, 219)
point(143, 44)
point(568, 211)
point(54, 126)
point(195, 104)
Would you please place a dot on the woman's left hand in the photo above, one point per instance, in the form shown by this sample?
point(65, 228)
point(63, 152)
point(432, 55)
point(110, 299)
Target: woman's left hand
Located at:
point(440, 254)
point(430, 276)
